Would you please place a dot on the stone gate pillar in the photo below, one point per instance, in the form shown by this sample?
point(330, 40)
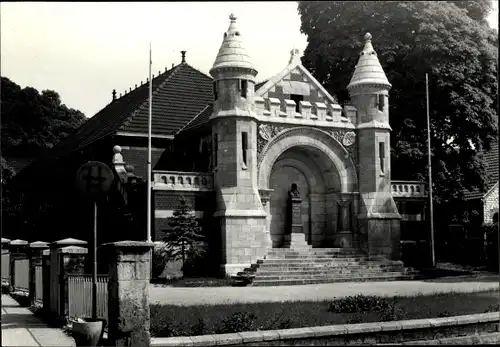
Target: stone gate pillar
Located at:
point(35, 256)
point(5, 263)
point(71, 261)
point(128, 293)
point(18, 249)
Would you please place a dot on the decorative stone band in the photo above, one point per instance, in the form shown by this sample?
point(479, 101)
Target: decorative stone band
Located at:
point(363, 333)
point(241, 213)
point(183, 181)
point(374, 125)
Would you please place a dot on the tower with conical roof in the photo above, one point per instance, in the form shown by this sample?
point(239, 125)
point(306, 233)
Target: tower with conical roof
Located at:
point(379, 220)
point(234, 135)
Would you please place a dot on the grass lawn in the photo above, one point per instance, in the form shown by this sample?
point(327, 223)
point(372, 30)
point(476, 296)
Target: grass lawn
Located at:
point(170, 320)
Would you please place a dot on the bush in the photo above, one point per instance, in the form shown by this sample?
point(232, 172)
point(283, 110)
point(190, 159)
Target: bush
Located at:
point(359, 303)
point(161, 256)
point(237, 322)
point(493, 308)
point(197, 264)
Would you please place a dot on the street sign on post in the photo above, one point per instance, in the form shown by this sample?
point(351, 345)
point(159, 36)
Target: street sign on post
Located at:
point(94, 179)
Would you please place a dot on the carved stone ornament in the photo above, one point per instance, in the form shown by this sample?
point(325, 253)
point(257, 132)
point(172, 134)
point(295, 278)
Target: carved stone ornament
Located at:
point(349, 138)
point(265, 132)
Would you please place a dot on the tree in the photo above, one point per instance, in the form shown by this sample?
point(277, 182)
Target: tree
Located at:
point(34, 122)
point(185, 230)
point(449, 40)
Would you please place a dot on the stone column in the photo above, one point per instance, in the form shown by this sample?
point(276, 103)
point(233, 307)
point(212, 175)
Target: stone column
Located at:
point(18, 249)
point(71, 262)
point(46, 280)
point(265, 195)
point(5, 263)
point(55, 271)
point(344, 234)
point(35, 256)
point(128, 293)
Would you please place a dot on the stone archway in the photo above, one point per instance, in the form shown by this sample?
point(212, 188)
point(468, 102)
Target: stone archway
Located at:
point(321, 168)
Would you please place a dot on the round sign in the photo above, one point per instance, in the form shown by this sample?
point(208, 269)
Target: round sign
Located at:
point(94, 178)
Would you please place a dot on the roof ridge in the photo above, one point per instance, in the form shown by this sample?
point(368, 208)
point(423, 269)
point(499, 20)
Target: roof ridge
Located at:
point(201, 72)
point(141, 106)
point(192, 119)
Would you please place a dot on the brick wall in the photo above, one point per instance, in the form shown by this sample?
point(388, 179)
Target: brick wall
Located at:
point(165, 202)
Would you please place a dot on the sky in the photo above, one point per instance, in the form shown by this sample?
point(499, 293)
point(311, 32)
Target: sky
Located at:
point(85, 50)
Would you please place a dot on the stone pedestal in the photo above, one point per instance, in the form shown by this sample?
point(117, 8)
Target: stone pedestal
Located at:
point(128, 293)
point(5, 263)
point(18, 249)
point(46, 280)
point(56, 273)
point(71, 262)
point(295, 237)
point(35, 256)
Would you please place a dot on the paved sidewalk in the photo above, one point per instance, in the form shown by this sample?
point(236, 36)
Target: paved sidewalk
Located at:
point(21, 328)
point(315, 292)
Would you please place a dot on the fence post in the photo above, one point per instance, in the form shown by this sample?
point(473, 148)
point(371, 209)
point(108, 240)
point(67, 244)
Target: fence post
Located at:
point(128, 293)
point(5, 263)
point(55, 272)
point(71, 262)
point(35, 255)
point(18, 250)
point(46, 280)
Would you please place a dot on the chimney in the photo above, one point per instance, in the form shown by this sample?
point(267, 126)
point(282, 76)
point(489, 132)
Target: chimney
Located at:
point(114, 95)
point(183, 53)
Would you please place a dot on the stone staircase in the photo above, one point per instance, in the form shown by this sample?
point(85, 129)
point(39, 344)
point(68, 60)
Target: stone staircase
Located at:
point(307, 265)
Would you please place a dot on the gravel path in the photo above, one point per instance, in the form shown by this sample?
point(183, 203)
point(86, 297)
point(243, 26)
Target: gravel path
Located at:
point(228, 295)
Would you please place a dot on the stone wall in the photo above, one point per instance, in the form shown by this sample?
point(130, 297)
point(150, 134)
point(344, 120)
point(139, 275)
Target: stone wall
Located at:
point(490, 204)
point(467, 329)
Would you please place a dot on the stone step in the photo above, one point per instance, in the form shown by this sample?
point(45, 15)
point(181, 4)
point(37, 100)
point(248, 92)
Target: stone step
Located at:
point(314, 251)
point(309, 274)
point(324, 269)
point(305, 265)
point(315, 256)
point(298, 281)
point(337, 261)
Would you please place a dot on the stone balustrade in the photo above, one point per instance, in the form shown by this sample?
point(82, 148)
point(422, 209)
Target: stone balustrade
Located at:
point(183, 181)
point(408, 189)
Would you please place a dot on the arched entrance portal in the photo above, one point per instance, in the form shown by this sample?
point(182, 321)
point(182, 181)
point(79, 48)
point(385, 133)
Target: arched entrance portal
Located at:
point(322, 170)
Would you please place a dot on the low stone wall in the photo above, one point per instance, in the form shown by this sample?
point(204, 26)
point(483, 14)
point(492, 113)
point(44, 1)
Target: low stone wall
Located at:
point(395, 332)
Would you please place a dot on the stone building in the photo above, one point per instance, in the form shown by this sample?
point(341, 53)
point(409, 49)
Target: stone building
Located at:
point(234, 147)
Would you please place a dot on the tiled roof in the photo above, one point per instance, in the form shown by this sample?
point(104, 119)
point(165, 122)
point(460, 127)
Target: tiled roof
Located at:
point(258, 85)
point(205, 114)
point(201, 118)
point(491, 159)
point(179, 95)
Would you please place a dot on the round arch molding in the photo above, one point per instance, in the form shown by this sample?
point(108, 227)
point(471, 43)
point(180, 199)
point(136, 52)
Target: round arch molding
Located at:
point(315, 139)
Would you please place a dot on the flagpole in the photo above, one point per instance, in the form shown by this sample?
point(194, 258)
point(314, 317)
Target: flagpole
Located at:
point(431, 205)
point(149, 147)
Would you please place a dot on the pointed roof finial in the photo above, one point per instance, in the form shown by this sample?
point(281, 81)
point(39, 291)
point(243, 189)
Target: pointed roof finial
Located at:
point(368, 71)
point(183, 54)
point(232, 52)
point(113, 93)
